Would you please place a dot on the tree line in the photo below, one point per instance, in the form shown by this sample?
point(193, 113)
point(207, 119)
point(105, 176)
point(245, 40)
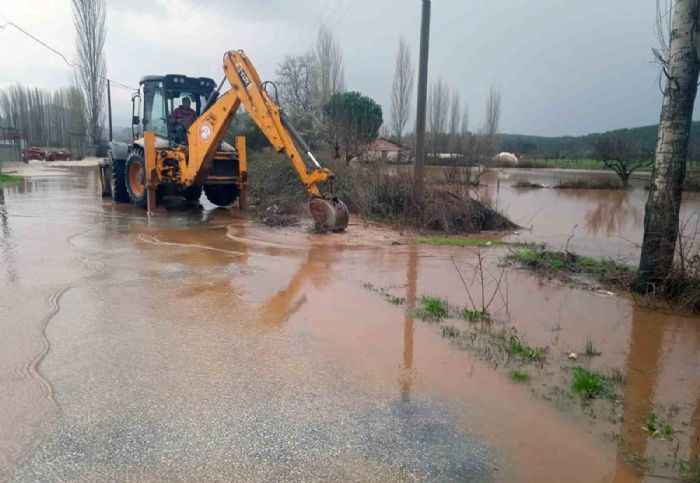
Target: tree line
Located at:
point(644, 139)
point(48, 118)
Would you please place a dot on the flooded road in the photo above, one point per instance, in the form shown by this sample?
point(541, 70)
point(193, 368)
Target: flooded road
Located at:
point(197, 345)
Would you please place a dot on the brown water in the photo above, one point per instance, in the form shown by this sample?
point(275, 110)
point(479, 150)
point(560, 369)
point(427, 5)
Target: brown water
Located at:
point(194, 344)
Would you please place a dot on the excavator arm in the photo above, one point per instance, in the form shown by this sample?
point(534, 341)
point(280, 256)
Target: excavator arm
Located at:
point(207, 133)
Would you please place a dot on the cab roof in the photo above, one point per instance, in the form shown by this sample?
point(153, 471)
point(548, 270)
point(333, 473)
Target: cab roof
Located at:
point(182, 82)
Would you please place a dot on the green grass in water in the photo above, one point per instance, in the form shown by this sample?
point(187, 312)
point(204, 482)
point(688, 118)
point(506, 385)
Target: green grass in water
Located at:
point(468, 242)
point(516, 347)
point(589, 384)
point(568, 262)
point(656, 427)
point(450, 332)
point(432, 308)
point(519, 376)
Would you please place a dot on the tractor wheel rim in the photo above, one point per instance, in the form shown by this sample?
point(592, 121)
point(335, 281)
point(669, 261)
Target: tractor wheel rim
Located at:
point(136, 179)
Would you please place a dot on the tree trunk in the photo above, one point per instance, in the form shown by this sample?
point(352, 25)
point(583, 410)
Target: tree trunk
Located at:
point(663, 205)
point(625, 178)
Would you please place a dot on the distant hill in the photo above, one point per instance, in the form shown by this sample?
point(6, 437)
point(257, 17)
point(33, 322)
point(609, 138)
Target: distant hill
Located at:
point(583, 146)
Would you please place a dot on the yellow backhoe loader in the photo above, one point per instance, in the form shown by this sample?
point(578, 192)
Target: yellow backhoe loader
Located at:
point(170, 155)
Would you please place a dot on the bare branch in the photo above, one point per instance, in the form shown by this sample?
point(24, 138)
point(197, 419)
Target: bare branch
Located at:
point(329, 65)
point(402, 90)
point(89, 21)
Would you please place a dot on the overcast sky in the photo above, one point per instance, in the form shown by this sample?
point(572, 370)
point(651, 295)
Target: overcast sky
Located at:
point(562, 66)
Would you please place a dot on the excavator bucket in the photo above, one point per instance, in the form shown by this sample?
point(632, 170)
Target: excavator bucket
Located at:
point(329, 214)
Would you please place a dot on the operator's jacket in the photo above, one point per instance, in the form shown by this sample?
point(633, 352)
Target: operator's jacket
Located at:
point(183, 115)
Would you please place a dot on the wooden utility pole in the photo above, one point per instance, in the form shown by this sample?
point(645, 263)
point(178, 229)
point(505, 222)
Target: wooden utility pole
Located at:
point(109, 108)
point(419, 162)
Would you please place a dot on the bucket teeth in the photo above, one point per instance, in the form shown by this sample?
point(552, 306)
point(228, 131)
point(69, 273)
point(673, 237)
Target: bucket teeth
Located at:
point(329, 214)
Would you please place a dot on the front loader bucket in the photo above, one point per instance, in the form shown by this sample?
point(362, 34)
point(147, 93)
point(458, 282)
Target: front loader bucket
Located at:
point(329, 214)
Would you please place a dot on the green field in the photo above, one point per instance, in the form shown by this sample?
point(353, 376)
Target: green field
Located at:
point(563, 163)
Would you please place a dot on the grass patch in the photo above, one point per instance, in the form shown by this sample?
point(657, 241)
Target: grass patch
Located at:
point(9, 178)
point(396, 300)
point(384, 292)
point(657, 428)
point(450, 332)
point(516, 347)
point(567, 263)
point(589, 184)
point(474, 315)
point(528, 184)
point(590, 385)
point(518, 376)
point(590, 350)
point(432, 309)
point(502, 346)
point(468, 242)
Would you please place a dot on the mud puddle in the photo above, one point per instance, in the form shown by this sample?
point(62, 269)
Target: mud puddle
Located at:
point(196, 344)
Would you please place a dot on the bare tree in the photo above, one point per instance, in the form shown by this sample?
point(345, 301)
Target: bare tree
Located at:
point(438, 107)
point(402, 90)
point(455, 120)
point(296, 76)
point(465, 121)
point(619, 154)
point(466, 143)
point(48, 118)
point(491, 121)
point(89, 21)
point(680, 67)
point(329, 66)
point(493, 112)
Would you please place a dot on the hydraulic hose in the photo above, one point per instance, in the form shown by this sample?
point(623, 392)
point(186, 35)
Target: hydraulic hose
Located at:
point(297, 138)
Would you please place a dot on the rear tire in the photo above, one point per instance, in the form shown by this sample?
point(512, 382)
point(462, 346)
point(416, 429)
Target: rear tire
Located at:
point(193, 193)
point(222, 195)
point(118, 181)
point(135, 180)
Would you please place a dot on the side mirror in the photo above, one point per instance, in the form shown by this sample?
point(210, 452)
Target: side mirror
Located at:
point(135, 120)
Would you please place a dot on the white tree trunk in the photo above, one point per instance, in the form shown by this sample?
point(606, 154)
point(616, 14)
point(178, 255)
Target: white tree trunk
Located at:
point(668, 174)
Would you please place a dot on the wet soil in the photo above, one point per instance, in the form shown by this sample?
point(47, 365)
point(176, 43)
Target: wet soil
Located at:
point(196, 344)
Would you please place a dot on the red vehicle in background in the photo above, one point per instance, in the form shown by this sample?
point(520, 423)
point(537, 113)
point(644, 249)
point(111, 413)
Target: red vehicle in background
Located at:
point(33, 153)
point(45, 155)
point(57, 155)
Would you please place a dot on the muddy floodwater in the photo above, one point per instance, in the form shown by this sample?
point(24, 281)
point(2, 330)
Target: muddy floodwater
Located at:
point(194, 344)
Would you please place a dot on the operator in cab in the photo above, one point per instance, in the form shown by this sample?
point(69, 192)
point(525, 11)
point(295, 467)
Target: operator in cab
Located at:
point(180, 121)
point(184, 114)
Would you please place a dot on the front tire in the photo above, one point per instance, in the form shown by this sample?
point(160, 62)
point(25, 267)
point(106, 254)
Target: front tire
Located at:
point(118, 181)
point(222, 195)
point(193, 193)
point(135, 180)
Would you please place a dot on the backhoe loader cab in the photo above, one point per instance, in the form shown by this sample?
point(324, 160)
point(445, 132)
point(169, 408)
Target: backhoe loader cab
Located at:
point(160, 96)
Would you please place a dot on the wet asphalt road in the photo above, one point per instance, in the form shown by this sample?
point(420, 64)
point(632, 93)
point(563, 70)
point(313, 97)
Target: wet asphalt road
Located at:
point(163, 350)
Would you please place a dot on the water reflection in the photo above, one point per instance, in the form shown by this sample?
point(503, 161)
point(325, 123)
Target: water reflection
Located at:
point(317, 268)
point(642, 372)
point(652, 342)
point(611, 210)
point(408, 375)
point(6, 242)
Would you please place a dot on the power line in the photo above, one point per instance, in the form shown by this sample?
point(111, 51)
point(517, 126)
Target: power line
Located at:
point(65, 59)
